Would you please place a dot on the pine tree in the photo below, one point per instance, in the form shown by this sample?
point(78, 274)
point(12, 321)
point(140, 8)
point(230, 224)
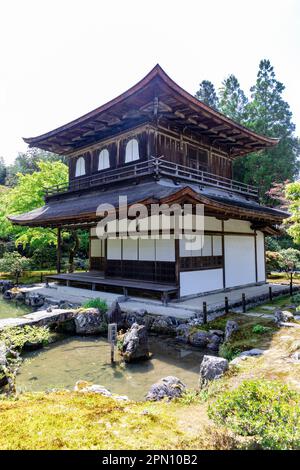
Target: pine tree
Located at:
point(233, 100)
point(270, 115)
point(207, 94)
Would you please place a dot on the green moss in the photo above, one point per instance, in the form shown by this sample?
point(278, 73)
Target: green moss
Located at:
point(19, 336)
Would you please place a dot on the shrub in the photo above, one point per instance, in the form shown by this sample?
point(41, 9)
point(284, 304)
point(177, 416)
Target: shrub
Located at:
point(96, 303)
point(296, 298)
point(15, 264)
point(260, 329)
point(18, 336)
point(267, 411)
point(228, 351)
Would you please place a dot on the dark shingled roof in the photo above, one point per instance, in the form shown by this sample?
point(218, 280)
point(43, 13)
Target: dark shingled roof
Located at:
point(83, 207)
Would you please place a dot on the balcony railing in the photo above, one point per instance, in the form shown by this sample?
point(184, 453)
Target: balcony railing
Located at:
point(157, 167)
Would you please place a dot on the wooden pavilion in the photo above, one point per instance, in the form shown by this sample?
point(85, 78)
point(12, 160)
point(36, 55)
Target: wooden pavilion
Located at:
point(156, 143)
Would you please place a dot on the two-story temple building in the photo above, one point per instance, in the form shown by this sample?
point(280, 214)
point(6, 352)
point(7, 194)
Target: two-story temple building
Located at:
point(156, 143)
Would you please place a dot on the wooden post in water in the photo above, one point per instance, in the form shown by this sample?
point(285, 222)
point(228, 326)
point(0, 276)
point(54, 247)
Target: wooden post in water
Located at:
point(226, 305)
point(58, 259)
point(270, 294)
point(112, 339)
point(244, 302)
point(204, 312)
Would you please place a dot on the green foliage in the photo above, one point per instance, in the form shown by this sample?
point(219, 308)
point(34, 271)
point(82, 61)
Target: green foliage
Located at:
point(28, 163)
point(207, 94)
point(26, 196)
point(228, 351)
point(268, 411)
point(233, 100)
point(274, 261)
point(2, 171)
point(17, 337)
point(260, 329)
point(15, 264)
point(272, 244)
point(267, 113)
point(96, 303)
point(295, 299)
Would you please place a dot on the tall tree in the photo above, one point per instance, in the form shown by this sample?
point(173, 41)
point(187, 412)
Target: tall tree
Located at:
point(2, 171)
point(207, 94)
point(233, 100)
point(270, 115)
point(28, 163)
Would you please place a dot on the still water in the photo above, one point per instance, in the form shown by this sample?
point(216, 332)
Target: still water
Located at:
point(10, 309)
point(62, 364)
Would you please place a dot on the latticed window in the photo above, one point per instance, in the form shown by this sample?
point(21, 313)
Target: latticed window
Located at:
point(80, 167)
point(132, 151)
point(103, 161)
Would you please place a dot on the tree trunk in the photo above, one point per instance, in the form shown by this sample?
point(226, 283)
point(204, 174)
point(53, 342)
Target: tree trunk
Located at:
point(73, 250)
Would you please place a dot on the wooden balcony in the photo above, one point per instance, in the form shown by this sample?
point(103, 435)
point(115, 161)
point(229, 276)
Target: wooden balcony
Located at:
point(158, 167)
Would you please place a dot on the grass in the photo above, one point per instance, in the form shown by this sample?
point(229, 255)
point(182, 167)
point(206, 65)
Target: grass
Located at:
point(69, 420)
point(72, 420)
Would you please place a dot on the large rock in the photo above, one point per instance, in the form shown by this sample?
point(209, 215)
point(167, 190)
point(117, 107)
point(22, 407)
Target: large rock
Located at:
point(282, 316)
point(199, 338)
point(252, 353)
point(164, 325)
point(168, 387)
point(87, 387)
point(230, 328)
point(135, 343)
point(114, 313)
point(34, 300)
point(183, 332)
point(6, 285)
point(212, 368)
point(14, 294)
point(90, 322)
point(214, 342)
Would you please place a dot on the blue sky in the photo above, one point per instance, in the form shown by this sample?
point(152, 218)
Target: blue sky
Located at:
point(61, 59)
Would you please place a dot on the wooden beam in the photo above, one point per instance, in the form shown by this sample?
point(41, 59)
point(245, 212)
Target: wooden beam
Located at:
point(58, 258)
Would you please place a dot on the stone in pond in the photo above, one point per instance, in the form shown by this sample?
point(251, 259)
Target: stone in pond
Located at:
point(168, 387)
point(135, 343)
point(6, 285)
point(88, 387)
point(212, 368)
point(90, 322)
point(164, 325)
point(114, 313)
point(199, 338)
point(34, 300)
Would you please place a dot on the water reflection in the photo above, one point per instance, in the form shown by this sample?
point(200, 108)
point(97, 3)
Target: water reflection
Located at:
point(77, 358)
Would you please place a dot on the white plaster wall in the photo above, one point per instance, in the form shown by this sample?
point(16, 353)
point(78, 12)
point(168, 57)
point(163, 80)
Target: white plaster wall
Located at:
point(207, 246)
point(130, 249)
point(93, 232)
point(114, 249)
point(165, 250)
point(239, 260)
point(233, 225)
point(260, 246)
point(195, 282)
point(211, 223)
point(147, 250)
point(185, 245)
point(96, 248)
point(217, 245)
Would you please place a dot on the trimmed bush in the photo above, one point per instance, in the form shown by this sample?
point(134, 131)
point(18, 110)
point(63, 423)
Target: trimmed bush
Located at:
point(96, 303)
point(267, 411)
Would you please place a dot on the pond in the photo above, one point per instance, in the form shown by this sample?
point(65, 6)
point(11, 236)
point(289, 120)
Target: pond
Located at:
point(12, 309)
point(61, 365)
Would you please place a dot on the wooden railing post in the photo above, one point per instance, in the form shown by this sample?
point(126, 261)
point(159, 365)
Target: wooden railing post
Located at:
point(226, 305)
point(244, 302)
point(270, 294)
point(204, 312)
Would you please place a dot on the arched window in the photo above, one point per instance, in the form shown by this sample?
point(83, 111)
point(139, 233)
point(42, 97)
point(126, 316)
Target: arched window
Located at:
point(80, 167)
point(132, 151)
point(103, 161)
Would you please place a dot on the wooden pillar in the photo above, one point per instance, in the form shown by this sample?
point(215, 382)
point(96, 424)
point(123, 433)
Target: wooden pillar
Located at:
point(58, 251)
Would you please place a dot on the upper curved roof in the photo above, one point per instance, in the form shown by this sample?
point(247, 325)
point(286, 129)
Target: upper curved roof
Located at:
point(156, 95)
